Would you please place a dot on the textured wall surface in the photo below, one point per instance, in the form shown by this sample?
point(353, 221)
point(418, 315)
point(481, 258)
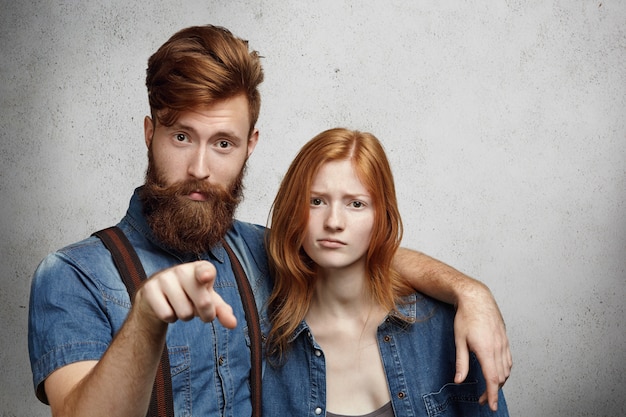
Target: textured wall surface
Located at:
point(505, 123)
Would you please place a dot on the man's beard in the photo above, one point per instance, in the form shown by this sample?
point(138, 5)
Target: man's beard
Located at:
point(186, 225)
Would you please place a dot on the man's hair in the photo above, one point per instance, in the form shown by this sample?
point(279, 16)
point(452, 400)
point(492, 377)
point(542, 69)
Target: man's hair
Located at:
point(293, 271)
point(198, 66)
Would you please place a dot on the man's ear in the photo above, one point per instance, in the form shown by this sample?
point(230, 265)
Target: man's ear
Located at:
point(148, 130)
point(252, 141)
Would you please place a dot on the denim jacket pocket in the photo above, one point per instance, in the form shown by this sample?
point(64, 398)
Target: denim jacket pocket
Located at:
point(180, 370)
point(453, 400)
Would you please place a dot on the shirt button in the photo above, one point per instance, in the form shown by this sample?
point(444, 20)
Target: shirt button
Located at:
point(318, 411)
point(317, 352)
point(401, 395)
point(220, 360)
point(387, 338)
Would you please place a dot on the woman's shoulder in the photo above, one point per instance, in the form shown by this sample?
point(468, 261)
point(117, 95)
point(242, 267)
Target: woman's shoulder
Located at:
point(419, 307)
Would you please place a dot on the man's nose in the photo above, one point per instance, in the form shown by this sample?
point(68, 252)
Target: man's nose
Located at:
point(199, 165)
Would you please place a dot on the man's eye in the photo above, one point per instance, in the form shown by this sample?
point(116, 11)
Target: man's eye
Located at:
point(181, 137)
point(223, 144)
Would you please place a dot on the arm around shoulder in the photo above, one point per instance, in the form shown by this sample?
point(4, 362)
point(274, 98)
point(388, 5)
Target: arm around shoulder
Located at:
point(478, 325)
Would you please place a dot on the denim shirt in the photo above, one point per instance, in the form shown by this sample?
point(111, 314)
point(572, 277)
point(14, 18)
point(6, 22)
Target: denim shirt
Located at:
point(419, 362)
point(78, 303)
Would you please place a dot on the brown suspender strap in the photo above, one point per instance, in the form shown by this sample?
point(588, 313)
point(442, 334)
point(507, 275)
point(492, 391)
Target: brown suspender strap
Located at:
point(132, 273)
point(254, 329)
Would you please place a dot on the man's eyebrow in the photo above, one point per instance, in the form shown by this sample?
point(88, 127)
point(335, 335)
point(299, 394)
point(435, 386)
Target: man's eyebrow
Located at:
point(181, 126)
point(220, 133)
point(226, 134)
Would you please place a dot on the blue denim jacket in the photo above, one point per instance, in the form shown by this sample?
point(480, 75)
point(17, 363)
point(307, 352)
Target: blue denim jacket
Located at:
point(78, 303)
point(419, 362)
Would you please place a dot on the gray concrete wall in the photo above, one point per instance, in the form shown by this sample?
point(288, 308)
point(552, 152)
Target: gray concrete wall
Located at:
point(504, 121)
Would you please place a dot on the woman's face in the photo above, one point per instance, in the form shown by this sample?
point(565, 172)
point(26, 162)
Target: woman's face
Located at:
point(341, 218)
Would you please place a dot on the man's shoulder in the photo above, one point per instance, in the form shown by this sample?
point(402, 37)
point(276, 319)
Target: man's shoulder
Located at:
point(85, 258)
point(85, 248)
point(252, 234)
point(246, 227)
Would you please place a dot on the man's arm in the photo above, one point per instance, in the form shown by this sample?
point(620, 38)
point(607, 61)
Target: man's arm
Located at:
point(127, 370)
point(478, 324)
point(125, 373)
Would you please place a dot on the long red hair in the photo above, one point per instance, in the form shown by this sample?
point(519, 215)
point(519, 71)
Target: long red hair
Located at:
point(293, 271)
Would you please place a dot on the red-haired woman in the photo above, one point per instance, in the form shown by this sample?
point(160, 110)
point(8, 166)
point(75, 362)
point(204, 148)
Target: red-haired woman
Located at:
point(348, 336)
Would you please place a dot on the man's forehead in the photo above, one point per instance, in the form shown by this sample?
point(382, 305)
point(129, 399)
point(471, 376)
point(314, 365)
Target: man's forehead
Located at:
point(233, 110)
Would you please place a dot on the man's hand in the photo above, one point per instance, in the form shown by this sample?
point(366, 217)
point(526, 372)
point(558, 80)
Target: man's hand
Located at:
point(478, 324)
point(479, 327)
point(183, 292)
point(126, 370)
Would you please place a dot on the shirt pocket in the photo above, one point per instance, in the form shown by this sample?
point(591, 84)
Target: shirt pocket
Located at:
point(180, 371)
point(453, 400)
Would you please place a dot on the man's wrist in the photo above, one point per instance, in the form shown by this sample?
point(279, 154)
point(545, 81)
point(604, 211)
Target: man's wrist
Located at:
point(468, 291)
point(144, 320)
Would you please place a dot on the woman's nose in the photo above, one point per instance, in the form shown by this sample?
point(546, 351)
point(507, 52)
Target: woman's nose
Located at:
point(335, 219)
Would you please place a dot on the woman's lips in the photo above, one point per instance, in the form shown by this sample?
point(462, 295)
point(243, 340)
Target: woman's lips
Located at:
point(331, 243)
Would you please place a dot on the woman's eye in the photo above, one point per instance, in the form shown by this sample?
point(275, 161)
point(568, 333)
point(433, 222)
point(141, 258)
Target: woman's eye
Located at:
point(357, 204)
point(316, 201)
